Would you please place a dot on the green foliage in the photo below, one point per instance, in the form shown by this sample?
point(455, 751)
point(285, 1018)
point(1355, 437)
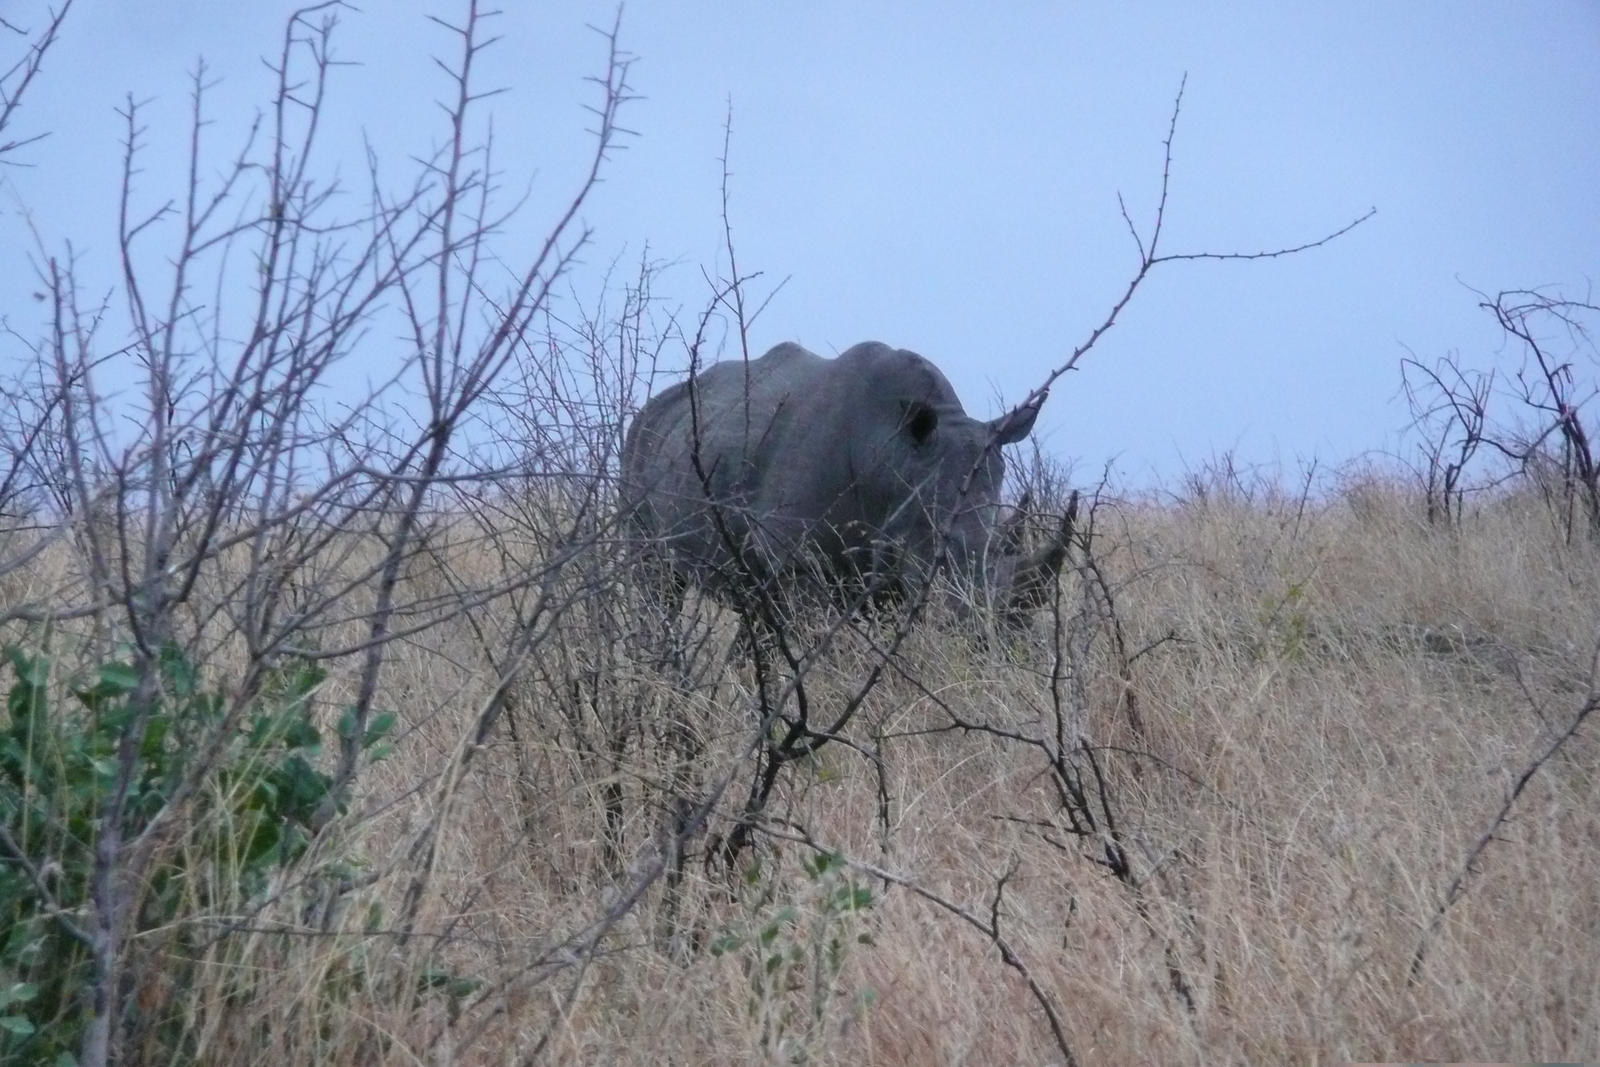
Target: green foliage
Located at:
point(795, 952)
point(249, 769)
point(1285, 621)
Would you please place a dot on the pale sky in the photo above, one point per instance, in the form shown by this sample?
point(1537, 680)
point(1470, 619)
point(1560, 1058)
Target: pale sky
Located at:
point(944, 177)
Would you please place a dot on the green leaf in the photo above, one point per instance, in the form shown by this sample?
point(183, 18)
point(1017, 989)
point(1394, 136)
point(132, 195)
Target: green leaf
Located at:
point(451, 985)
point(292, 843)
point(265, 795)
point(378, 728)
point(304, 679)
point(155, 736)
point(463, 986)
point(19, 993)
point(301, 734)
point(303, 787)
point(259, 835)
point(26, 701)
point(16, 1024)
point(258, 725)
point(31, 670)
point(177, 671)
point(725, 944)
point(117, 679)
point(208, 705)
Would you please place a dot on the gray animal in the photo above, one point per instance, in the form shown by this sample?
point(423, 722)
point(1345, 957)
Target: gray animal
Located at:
point(853, 476)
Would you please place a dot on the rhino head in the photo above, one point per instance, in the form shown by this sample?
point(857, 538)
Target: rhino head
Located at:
point(925, 485)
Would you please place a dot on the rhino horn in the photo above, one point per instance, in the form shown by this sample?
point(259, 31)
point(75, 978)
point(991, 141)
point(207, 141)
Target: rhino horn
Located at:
point(1034, 577)
point(1009, 532)
point(1017, 423)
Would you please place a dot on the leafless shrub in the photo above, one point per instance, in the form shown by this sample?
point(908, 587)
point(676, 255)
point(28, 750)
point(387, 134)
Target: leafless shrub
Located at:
point(1532, 416)
point(1554, 385)
point(1450, 412)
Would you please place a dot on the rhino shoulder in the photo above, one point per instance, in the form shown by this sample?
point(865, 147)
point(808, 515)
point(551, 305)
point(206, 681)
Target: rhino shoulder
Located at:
point(788, 352)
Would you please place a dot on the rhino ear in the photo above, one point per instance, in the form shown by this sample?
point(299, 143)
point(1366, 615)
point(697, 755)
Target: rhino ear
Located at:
point(1017, 423)
point(919, 420)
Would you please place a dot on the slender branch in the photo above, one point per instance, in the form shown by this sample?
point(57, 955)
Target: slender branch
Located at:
point(1149, 258)
point(1458, 885)
point(41, 885)
point(988, 927)
point(14, 82)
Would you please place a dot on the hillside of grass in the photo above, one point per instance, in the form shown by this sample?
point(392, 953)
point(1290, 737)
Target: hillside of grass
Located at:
point(1255, 788)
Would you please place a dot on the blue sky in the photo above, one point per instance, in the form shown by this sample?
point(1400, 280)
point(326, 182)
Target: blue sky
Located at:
point(944, 177)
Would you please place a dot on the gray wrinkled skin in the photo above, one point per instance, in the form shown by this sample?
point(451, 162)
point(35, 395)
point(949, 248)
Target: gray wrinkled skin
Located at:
point(828, 475)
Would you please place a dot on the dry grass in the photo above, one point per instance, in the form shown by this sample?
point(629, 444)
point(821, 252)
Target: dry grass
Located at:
point(1339, 706)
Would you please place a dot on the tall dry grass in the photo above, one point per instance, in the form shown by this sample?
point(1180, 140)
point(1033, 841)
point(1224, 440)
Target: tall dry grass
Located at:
point(1332, 699)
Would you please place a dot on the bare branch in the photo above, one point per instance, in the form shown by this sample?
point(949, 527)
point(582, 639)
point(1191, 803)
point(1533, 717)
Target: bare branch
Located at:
point(989, 928)
point(14, 82)
point(1149, 258)
point(1458, 885)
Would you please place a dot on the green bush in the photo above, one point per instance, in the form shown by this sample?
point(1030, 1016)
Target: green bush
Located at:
point(249, 815)
point(795, 955)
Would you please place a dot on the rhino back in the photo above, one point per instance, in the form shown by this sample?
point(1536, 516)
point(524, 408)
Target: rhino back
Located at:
point(760, 439)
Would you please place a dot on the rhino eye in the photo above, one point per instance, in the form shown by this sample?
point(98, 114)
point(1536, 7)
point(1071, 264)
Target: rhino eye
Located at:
point(920, 421)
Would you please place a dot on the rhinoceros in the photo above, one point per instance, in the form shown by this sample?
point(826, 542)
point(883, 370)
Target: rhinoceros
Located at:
point(857, 475)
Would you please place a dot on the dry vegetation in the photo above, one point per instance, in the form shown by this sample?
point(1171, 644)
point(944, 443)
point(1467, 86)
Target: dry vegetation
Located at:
point(338, 732)
point(1332, 700)
point(1340, 700)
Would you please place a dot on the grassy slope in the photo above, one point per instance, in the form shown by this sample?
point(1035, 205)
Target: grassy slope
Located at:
point(1342, 701)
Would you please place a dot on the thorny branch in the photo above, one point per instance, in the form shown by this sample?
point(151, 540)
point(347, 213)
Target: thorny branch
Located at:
point(989, 927)
point(1150, 257)
point(1458, 885)
point(16, 79)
